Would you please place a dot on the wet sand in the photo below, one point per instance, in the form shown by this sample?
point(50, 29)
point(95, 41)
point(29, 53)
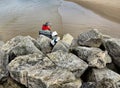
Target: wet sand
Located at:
point(77, 19)
point(24, 17)
point(109, 9)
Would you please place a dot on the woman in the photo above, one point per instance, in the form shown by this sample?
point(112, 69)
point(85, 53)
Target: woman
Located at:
point(46, 26)
point(46, 29)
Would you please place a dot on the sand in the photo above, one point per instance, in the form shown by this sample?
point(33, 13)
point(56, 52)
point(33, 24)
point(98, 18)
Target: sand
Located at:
point(77, 19)
point(25, 17)
point(109, 9)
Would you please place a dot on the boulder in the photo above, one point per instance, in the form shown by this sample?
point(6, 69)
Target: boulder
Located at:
point(60, 45)
point(19, 67)
point(44, 43)
point(99, 59)
point(74, 43)
point(52, 78)
point(106, 37)
point(95, 57)
point(34, 41)
point(75, 84)
point(89, 85)
point(38, 71)
point(10, 83)
point(20, 45)
point(106, 83)
point(1, 43)
point(3, 64)
point(100, 74)
point(68, 61)
point(113, 47)
point(92, 38)
point(67, 38)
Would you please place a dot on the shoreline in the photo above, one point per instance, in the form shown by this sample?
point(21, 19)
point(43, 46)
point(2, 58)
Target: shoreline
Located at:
point(107, 9)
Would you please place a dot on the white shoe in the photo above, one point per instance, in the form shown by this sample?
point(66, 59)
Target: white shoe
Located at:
point(54, 41)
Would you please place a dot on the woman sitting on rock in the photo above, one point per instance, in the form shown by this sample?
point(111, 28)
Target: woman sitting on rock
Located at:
point(46, 29)
point(46, 26)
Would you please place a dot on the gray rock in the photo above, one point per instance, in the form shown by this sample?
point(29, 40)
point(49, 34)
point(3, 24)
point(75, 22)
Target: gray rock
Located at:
point(75, 84)
point(91, 38)
point(106, 83)
point(44, 43)
point(113, 47)
point(67, 38)
point(94, 56)
point(89, 85)
point(35, 42)
point(68, 61)
point(3, 64)
point(74, 43)
point(20, 45)
point(10, 83)
point(99, 59)
point(106, 37)
point(60, 45)
point(53, 78)
point(1, 43)
point(38, 71)
point(100, 74)
point(19, 67)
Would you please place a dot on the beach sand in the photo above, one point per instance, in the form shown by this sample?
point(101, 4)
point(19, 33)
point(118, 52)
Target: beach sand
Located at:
point(25, 17)
point(77, 19)
point(109, 9)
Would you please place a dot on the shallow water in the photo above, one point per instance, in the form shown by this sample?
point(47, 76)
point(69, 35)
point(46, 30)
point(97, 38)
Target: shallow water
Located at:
point(25, 17)
point(78, 19)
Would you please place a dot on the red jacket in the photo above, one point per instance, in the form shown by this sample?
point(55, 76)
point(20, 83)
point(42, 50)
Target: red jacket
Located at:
point(44, 27)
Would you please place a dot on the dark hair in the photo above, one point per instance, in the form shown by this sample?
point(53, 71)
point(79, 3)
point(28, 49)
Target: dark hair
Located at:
point(47, 24)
